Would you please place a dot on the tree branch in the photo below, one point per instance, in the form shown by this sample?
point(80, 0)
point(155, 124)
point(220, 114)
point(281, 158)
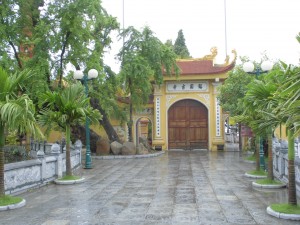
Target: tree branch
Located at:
point(61, 58)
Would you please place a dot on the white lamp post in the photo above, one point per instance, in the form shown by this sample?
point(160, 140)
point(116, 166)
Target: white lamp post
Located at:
point(265, 67)
point(78, 75)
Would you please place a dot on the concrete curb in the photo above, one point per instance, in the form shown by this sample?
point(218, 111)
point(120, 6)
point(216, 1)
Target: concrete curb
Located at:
point(268, 186)
point(283, 215)
point(67, 182)
point(248, 161)
point(254, 176)
point(13, 206)
point(128, 156)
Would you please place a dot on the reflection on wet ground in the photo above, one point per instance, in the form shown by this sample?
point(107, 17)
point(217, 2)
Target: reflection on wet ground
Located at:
point(180, 187)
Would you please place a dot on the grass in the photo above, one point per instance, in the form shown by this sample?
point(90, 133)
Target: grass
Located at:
point(268, 181)
point(9, 200)
point(253, 158)
point(286, 208)
point(257, 173)
point(70, 178)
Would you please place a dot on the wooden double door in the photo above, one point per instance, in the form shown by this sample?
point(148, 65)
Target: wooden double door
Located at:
point(188, 125)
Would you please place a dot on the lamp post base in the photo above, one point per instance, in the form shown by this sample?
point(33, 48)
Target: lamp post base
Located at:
point(261, 155)
point(88, 159)
point(89, 167)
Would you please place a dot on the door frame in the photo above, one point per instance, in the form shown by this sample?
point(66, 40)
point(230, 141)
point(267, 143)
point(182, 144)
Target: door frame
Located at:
point(208, 122)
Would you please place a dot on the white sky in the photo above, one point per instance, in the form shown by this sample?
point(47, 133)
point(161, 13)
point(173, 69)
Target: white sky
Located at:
point(253, 26)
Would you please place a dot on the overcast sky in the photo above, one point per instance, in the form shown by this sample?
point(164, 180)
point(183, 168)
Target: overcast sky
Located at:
point(252, 26)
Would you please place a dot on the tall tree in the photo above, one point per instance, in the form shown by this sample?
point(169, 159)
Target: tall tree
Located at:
point(232, 92)
point(144, 60)
point(17, 112)
point(80, 33)
point(180, 47)
point(48, 36)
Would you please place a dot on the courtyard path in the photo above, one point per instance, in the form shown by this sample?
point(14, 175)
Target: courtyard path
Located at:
point(178, 187)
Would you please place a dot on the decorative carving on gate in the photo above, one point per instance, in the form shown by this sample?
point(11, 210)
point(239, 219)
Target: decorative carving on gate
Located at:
point(169, 98)
point(206, 99)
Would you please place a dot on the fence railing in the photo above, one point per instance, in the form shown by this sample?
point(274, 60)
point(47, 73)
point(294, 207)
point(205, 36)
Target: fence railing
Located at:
point(280, 162)
point(17, 153)
point(44, 146)
point(44, 168)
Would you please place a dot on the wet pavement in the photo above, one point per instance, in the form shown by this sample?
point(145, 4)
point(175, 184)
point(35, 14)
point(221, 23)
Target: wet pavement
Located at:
point(179, 187)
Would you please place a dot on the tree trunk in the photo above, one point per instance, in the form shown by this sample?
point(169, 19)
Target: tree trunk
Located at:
point(105, 122)
point(2, 140)
point(130, 123)
point(240, 137)
point(291, 168)
point(257, 145)
point(270, 156)
point(79, 132)
point(68, 152)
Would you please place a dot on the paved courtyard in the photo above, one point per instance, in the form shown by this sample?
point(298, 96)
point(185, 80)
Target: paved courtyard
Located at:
point(179, 187)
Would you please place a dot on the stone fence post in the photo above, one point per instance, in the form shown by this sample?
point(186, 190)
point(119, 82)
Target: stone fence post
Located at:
point(41, 156)
point(55, 150)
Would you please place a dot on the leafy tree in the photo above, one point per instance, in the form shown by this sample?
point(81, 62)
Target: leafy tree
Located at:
point(65, 108)
point(79, 35)
point(180, 47)
point(169, 43)
point(10, 31)
point(17, 112)
point(144, 60)
point(56, 35)
point(232, 92)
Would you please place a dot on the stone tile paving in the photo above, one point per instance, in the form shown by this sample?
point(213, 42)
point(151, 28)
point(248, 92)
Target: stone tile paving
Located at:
point(176, 188)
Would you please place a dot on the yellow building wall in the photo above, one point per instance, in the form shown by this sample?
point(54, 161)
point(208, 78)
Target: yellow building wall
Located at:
point(58, 135)
point(281, 132)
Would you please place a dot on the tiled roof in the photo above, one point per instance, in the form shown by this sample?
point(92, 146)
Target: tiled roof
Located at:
point(191, 67)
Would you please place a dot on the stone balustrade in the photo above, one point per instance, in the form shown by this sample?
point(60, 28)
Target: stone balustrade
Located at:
point(21, 176)
point(280, 162)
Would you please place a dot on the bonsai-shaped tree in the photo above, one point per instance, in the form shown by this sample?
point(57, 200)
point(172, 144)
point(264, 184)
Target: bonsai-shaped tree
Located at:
point(17, 112)
point(65, 108)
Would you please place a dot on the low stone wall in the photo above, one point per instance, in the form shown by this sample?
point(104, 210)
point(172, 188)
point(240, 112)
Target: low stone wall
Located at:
point(280, 162)
point(21, 176)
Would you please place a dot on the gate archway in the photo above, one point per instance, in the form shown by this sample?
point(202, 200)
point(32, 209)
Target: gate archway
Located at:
point(188, 125)
point(143, 130)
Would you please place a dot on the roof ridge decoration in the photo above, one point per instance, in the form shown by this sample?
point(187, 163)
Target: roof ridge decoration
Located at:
point(212, 56)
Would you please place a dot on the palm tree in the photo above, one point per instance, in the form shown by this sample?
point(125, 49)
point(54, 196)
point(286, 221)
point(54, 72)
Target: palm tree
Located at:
point(290, 110)
point(263, 99)
point(252, 114)
point(66, 108)
point(282, 107)
point(17, 112)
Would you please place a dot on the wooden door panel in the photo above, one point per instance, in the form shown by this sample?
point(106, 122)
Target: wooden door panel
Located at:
point(198, 124)
point(174, 124)
point(188, 125)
